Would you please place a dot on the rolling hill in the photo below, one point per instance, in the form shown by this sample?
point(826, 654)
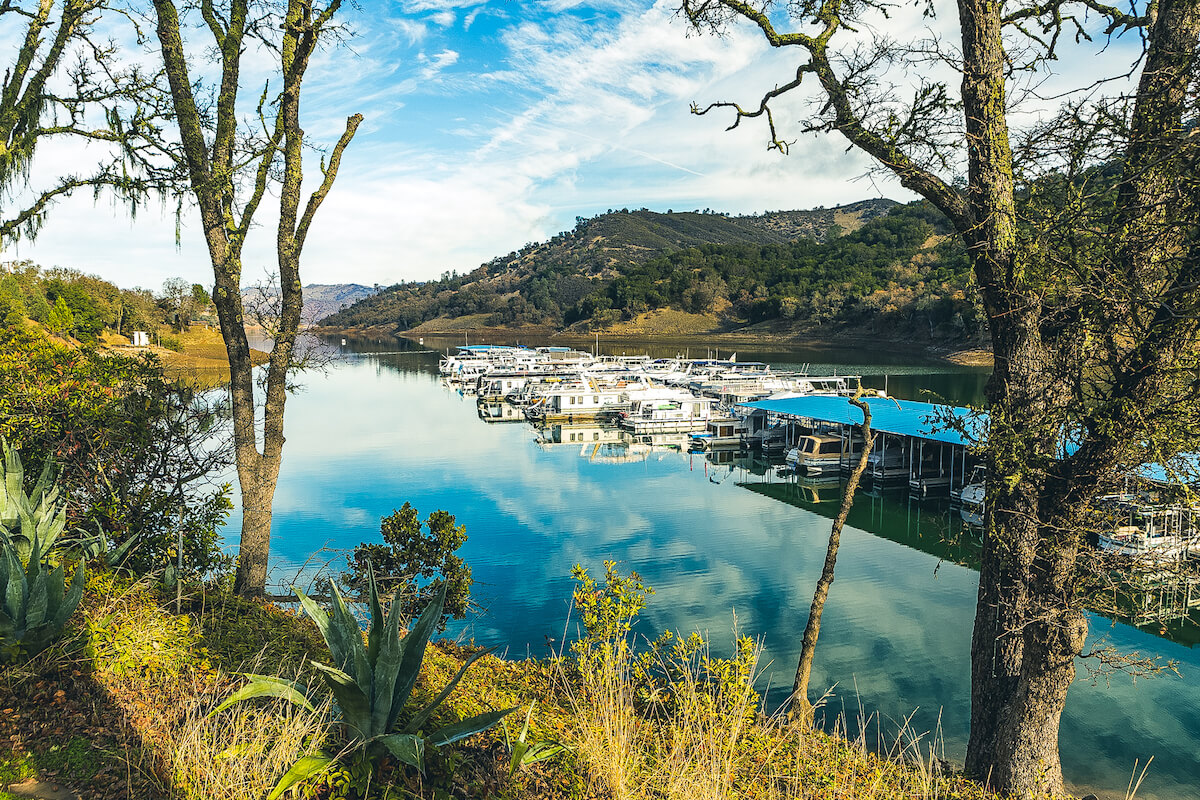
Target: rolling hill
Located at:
point(870, 263)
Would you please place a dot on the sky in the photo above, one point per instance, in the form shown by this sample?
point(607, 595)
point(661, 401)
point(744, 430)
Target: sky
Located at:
point(490, 124)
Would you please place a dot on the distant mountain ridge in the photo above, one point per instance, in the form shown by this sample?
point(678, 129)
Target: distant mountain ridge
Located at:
point(543, 282)
point(320, 299)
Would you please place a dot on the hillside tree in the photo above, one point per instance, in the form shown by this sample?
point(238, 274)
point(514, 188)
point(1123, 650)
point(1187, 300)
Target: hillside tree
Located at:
point(1084, 246)
point(228, 173)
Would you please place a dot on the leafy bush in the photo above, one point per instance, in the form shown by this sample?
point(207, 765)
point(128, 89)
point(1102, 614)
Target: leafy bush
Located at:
point(135, 451)
point(608, 613)
point(372, 684)
point(171, 343)
point(413, 565)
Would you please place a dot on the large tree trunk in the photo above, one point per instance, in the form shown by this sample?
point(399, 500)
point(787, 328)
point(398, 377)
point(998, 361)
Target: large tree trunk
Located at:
point(211, 172)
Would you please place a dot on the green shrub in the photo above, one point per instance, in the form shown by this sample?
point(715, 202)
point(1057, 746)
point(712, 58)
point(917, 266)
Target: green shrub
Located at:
point(412, 564)
point(608, 612)
point(171, 343)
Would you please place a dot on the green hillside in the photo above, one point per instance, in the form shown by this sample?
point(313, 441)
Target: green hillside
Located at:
point(868, 264)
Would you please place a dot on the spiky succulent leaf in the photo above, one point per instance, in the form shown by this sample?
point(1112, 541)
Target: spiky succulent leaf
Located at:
point(304, 768)
point(341, 638)
point(468, 727)
point(377, 621)
point(356, 662)
point(266, 686)
point(14, 596)
point(414, 652)
point(354, 704)
point(409, 749)
point(35, 579)
point(388, 661)
point(72, 597)
point(418, 721)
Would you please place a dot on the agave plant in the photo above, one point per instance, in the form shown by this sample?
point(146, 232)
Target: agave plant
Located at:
point(34, 603)
point(26, 517)
point(372, 684)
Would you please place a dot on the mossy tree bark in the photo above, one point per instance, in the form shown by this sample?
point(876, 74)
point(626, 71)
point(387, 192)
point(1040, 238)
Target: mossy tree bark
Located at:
point(212, 171)
point(1092, 316)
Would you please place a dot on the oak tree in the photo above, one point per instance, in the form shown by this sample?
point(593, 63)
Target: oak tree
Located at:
point(68, 83)
point(1083, 242)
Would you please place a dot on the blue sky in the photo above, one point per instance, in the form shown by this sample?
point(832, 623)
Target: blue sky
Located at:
point(493, 123)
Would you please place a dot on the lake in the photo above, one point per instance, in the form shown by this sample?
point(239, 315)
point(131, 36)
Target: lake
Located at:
point(718, 543)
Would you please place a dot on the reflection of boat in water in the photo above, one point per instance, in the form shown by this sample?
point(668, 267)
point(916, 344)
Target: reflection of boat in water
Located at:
point(633, 448)
point(552, 435)
point(500, 412)
point(1167, 606)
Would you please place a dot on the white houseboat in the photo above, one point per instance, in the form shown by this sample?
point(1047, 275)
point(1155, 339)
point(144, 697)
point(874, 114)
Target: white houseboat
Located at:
point(666, 410)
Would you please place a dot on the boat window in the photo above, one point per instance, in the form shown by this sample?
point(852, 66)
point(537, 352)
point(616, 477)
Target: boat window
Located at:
point(595, 436)
point(831, 447)
point(596, 399)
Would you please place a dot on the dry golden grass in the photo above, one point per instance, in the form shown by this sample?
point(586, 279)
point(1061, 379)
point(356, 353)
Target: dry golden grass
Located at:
point(241, 753)
point(664, 322)
point(714, 745)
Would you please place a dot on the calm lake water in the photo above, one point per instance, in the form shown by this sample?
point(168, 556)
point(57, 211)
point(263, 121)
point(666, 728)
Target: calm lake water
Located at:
point(717, 542)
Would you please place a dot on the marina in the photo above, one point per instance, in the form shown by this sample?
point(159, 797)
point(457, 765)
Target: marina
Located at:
point(730, 405)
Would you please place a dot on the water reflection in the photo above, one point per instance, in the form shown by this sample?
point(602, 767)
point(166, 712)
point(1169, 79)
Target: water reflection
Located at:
point(715, 540)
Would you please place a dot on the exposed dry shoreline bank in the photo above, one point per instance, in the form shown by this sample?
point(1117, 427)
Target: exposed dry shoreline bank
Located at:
point(817, 339)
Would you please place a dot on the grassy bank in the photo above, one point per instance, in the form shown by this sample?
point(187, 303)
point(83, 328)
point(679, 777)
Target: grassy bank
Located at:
point(120, 708)
point(197, 354)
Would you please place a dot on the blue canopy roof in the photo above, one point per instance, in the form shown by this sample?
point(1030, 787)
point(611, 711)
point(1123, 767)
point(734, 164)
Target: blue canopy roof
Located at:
point(939, 423)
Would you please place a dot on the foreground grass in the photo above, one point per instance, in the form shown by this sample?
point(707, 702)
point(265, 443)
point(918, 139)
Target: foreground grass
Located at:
point(120, 708)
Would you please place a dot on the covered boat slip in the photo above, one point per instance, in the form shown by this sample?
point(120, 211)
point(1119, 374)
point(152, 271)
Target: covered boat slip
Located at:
point(926, 443)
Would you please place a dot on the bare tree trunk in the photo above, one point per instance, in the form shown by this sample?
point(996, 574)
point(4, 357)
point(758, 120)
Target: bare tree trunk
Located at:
point(227, 223)
point(802, 709)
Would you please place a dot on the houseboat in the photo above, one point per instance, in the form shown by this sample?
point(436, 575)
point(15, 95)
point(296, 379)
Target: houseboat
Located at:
point(667, 410)
point(822, 453)
point(720, 433)
point(1141, 528)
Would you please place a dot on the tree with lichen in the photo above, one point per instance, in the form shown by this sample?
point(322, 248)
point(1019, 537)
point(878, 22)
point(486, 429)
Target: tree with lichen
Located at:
point(1083, 241)
point(228, 172)
point(66, 83)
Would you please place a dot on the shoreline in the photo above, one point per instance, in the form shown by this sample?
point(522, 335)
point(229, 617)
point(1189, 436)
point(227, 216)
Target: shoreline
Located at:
point(968, 356)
